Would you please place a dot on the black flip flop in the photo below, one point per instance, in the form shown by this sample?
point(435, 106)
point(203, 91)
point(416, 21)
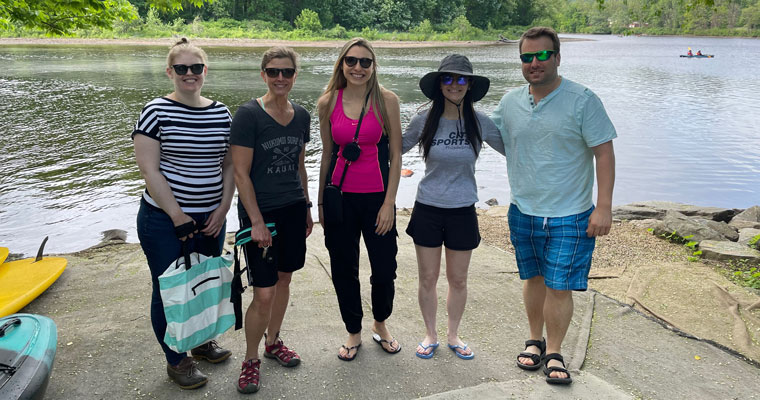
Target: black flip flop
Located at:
point(536, 358)
point(380, 342)
point(348, 351)
point(548, 370)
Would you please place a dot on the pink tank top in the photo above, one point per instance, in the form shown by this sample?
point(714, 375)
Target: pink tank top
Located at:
point(364, 174)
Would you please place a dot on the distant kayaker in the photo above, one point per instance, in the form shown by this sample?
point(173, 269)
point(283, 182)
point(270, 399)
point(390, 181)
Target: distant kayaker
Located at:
point(689, 53)
point(699, 52)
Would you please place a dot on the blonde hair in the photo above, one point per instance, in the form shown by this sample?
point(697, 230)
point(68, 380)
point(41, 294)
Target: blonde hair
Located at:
point(338, 81)
point(279, 52)
point(182, 46)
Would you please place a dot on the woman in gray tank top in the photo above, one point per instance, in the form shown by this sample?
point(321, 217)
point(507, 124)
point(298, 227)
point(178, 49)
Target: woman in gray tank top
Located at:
point(450, 135)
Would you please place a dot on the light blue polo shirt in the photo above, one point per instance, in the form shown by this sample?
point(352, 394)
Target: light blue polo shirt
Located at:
point(550, 162)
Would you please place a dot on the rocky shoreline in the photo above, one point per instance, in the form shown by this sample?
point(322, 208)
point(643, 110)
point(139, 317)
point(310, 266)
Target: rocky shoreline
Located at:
point(720, 234)
point(644, 264)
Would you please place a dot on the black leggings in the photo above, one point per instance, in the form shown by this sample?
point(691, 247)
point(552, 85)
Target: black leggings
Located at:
point(342, 241)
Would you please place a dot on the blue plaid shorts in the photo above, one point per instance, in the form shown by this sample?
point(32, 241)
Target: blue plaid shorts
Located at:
point(556, 248)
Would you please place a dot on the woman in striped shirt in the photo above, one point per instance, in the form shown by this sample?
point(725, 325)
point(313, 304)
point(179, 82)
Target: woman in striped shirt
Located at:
point(181, 143)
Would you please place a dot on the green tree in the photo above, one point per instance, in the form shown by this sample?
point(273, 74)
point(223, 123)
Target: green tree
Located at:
point(61, 17)
point(308, 20)
point(354, 14)
point(497, 13)
point(751, 16)
point(393, 15)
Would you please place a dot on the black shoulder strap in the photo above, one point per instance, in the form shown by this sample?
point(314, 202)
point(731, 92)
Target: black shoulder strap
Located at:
point(237, 289)
point(356, 139)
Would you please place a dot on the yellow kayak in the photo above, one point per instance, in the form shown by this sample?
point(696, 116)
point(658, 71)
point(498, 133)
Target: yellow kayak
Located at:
point(3, 254)
point(22, 281)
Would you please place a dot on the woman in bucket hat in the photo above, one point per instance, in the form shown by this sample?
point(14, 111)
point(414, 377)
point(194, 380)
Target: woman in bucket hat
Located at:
point(450, 135)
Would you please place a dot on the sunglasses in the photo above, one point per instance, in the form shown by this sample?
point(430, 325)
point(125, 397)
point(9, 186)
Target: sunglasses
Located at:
point(182, 69)
point(275, 72)
point(542, 55)
point(461, 80)
point(364, 62)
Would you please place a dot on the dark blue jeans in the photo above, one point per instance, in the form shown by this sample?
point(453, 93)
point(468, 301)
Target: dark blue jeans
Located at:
point(161, 247)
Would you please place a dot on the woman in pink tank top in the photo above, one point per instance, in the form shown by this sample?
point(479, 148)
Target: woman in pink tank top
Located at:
point(369, 185)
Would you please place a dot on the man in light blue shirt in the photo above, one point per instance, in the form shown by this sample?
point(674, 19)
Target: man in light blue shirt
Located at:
point(553, 131)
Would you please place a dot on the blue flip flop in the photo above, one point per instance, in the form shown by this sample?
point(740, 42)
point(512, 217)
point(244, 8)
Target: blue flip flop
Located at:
point(454, 348)
point(424, 348)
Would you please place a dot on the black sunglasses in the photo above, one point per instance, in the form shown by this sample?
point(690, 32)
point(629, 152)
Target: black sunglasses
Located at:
point(182, 69)
point(542, 55)
point(275, 72)
point(364, 62)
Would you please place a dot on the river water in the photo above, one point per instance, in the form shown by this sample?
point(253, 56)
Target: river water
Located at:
point(688, 128)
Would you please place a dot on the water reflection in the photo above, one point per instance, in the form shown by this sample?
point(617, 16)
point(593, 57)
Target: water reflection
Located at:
point(687, 128)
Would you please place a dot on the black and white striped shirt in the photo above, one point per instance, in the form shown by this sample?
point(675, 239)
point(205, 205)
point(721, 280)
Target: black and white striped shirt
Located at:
point(194, 142)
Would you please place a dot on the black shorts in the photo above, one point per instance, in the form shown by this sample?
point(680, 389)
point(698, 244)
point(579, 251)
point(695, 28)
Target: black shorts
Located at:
point(456, 228)
point(288, 250)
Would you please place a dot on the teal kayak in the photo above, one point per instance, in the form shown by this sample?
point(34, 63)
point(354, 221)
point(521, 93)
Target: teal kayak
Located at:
point(27, 350)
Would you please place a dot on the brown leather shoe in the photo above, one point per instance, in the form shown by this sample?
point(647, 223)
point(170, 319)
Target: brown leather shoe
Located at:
point(186, 374)
point(210, 352)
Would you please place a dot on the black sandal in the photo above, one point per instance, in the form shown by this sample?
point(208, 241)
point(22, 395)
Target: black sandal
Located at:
point(348, 357)
point(376, 337)
point(536, 358)
point(548, 370)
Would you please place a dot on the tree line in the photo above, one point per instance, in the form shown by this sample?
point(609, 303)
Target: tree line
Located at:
point(469, 19)
point(738, 17)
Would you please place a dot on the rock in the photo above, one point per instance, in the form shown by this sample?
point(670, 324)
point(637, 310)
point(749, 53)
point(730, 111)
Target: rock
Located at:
point(725, 230)
point(14, 256)
point(742, 224)
point(645, 223)
point(728, 251)
point(699, 228)
point(746, 234)
point(751, 214)
point(658, 209)
point(114, 234)
point(633, 212)
point(498, 211)
point(111, 237)
point(404, 211)
point(492, 202)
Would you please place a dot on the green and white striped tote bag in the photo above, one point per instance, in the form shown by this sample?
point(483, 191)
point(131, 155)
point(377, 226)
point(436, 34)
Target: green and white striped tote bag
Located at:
point(197, 300)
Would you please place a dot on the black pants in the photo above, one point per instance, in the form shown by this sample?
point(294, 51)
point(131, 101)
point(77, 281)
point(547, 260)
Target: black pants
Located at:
point(342, 241)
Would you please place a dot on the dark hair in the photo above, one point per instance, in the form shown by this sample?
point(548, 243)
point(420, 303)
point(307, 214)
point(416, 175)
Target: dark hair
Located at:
point(539, 31)
point(471, 123)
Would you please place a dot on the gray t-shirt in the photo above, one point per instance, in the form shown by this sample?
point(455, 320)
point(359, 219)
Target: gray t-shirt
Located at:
point(449, 180)
point(276, 152)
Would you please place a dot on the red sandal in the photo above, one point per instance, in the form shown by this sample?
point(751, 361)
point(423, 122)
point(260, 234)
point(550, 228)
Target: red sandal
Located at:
point(281, 353)
point(249, 377)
